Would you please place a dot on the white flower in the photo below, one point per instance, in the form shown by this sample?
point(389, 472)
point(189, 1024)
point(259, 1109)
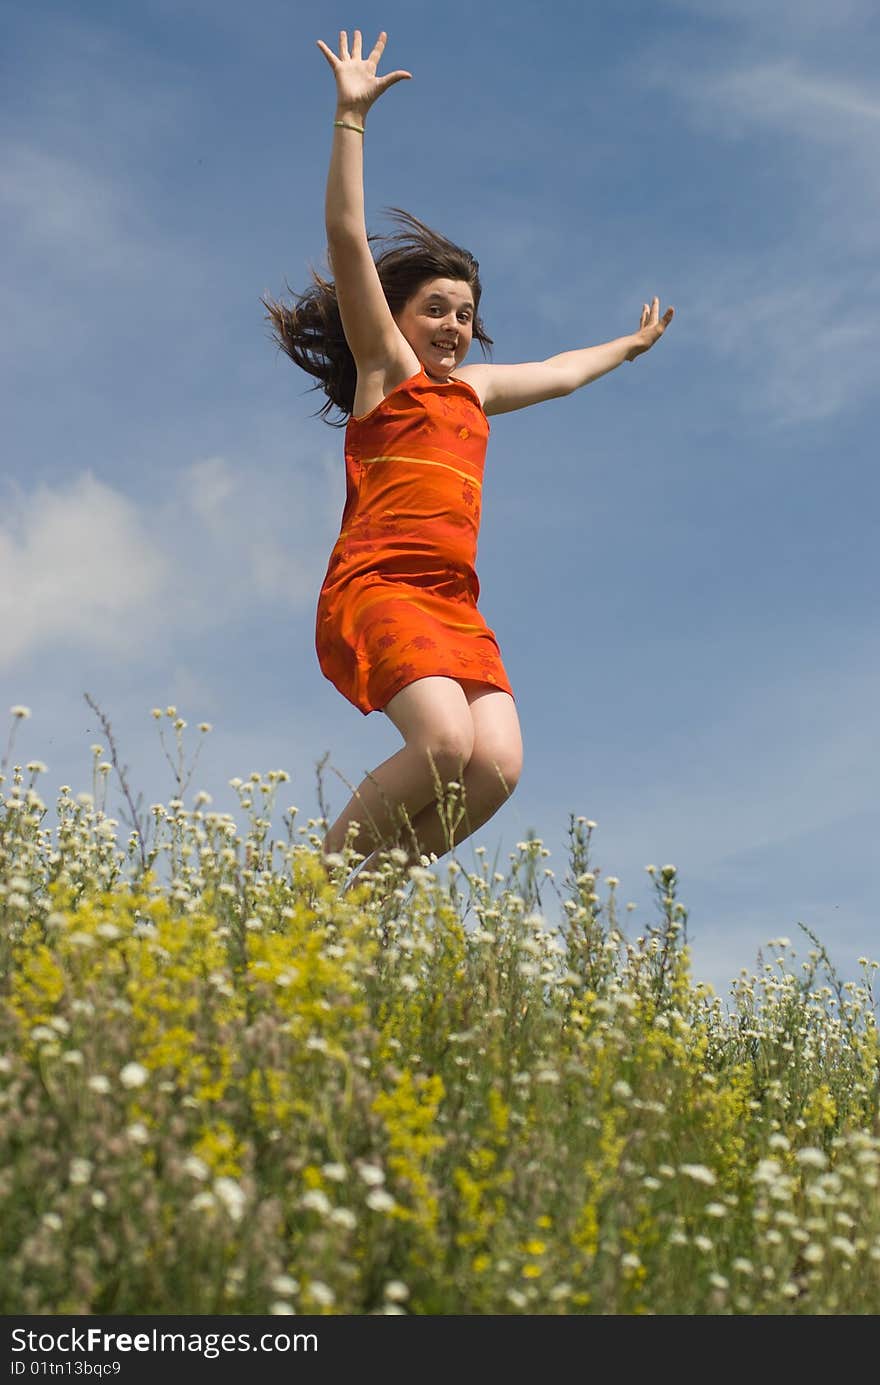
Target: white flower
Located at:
point(80, 1171)
point(99, 1083)
point(699, 1173)
point(285, 1284)
point(322, 1293)
point(622, 1090)
point(51, 1220)
point(812, 1158)
point(133, 1075)
point(203, 1202)
point(195, 1167)
point(337, 1173)
point(20, 713)
point(396, 1290)
point(378, 1200)
point(316, 1201)
point(343, 1216)
point(138, 1133)
point(281, 1309)
point(371, 1174)
point(231, 1195)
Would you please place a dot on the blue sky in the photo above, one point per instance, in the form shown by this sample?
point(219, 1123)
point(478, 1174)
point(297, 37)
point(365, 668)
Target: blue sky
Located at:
point(680, 561)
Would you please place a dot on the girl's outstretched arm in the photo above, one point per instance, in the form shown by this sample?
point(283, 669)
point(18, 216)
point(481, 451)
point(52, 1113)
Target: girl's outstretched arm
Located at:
point(369, 327)
point(506, 387)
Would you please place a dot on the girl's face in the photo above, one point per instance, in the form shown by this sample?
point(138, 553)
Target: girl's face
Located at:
point(438, 323)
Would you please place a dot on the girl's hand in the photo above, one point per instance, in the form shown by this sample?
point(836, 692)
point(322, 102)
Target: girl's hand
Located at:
point(651, 328)
point(357, 85)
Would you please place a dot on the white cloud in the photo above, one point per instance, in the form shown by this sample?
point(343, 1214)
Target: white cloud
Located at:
point(77, 566)
point(83, 565)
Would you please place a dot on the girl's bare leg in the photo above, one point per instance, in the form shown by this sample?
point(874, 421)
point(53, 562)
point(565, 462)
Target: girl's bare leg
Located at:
point(435, 721)
point(489, 778)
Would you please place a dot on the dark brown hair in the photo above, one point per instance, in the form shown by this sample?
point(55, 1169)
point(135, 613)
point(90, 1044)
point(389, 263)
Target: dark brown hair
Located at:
point(310, 329)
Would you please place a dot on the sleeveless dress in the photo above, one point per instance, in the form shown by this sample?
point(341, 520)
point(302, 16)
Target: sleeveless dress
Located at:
point(399, 599)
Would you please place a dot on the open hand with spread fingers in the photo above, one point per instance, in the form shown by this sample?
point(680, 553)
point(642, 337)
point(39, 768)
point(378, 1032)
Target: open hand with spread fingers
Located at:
point(357, 85)
point(651, 328)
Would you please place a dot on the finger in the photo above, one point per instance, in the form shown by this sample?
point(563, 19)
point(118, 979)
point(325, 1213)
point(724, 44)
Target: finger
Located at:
point(385, 82)
point(331, 57)
point(356, 50)
point(343, 43)
point(378, 48)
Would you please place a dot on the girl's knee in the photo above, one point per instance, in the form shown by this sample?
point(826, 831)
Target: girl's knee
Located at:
point(450, 748)
point(498, 765)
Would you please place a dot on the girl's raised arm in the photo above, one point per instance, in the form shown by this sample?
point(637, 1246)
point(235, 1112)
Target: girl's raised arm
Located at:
point(370, 329)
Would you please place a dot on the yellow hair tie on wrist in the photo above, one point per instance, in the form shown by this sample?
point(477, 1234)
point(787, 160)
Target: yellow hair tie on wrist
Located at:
point(343, 125)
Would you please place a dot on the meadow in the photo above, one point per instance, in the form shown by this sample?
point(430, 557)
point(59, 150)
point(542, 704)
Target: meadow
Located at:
point(232, 1085)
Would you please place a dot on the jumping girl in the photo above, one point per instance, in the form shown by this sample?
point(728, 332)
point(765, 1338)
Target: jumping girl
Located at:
point(398, 629)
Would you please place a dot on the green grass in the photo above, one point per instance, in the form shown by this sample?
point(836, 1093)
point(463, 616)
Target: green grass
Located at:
point(227, 1085)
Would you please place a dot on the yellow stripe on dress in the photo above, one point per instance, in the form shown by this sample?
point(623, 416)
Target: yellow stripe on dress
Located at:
point(423, 461)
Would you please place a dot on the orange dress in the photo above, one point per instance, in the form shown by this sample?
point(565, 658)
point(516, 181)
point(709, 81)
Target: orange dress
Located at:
point(399, 599)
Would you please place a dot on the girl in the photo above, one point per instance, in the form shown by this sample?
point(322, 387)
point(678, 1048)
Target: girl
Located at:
point(398, 628)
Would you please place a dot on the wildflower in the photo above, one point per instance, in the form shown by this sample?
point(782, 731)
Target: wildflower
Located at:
point(138, 1133)
point(20, 713)
point(846, 1247)
point(715, 1209)
point(630, 1261)
point(52, 1221)
point(195, 1167)
point(812, 1158)
point(80, 1171)
point(99, 1083)
point(322, 1293)
point(203, 1202)
point(73, 1057)
point(396, 1291)
point(699, 1173)
point(622, 1090)
point(343, 1216)
point(371, 1174)
point(133, 1075)
point(337, 1173)
point(516, 1298)
point(315, 1201)
point(231, 1195)
point(378, 1200)
point(281, 1309)
point(704, 1244)
point(284, 1284)
point(813, 1254)
point(98, 1199)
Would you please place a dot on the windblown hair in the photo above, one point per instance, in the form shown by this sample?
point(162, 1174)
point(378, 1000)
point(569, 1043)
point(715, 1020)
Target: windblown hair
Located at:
point(310, 329)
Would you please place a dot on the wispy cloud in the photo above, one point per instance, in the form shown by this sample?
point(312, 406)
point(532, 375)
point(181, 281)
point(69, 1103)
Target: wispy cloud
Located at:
point(77, 565)
point(82, 565)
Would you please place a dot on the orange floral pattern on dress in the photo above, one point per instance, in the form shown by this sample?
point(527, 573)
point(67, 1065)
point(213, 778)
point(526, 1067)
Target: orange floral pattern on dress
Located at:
point(399, 598)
